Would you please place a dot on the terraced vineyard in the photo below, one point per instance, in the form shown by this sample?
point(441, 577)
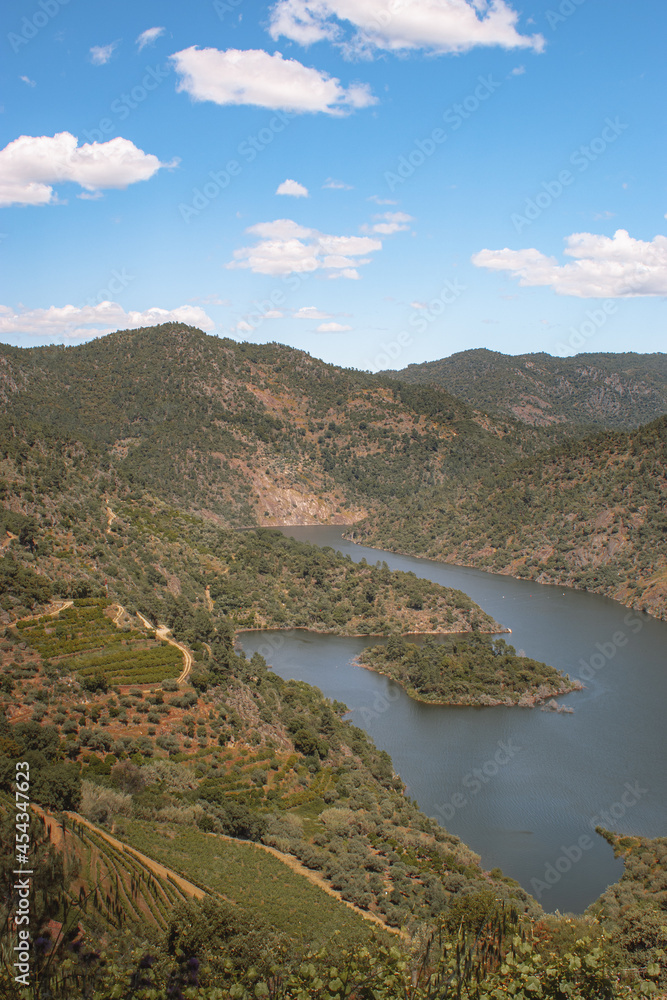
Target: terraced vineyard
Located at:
point(84, 640)
point(245, 874)
point(113, 882)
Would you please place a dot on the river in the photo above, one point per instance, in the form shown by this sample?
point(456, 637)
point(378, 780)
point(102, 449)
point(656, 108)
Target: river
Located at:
point(524, 788)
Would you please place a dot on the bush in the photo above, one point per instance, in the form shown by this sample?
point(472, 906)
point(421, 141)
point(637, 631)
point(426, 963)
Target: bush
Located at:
point(99, 804)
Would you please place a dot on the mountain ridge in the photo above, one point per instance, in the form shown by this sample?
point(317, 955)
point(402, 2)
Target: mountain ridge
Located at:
point(590, 390)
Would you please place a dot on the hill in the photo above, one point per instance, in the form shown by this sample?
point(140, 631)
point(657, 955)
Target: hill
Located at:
point(590, 513)
point(606, 391)
point(248, 434)
point(124, 466)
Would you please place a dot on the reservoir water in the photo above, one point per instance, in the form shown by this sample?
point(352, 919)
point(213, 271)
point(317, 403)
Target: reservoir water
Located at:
point(524, 788)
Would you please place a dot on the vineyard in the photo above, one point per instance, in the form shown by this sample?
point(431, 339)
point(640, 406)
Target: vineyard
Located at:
point(84, 640)
point(245, 874)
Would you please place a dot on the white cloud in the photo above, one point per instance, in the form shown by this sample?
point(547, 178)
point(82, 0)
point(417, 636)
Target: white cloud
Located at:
point(253, 76)
point(285, 247)
point(30, 165)
point(418, 305)
point(30, 83)
point(432, 25)
point(348, 272)
point(392, 222)
point(95, 321)
point(292, 188)
point(604, 267)
point(335, 185)
point(101, 54)
point(280, 229)
point(518, 71)
point(332, 328)
point(310, 312)
point(149, 37)
point(381, 201)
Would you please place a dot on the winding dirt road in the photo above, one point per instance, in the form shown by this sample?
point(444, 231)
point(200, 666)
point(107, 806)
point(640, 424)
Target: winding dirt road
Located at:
point(162, 632)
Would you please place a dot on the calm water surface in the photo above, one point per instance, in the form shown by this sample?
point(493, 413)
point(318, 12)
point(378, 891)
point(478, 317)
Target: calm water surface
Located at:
point(522, 787)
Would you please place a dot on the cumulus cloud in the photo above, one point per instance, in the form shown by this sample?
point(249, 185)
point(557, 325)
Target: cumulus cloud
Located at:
point(335, 185)
point(74, 322)
point(252, 76)
point(149, 37)
point(311, 312)
point(332, 328)
point(432, 25)
point(31, 165)
point(390, 222)
point(101, 54)
point(347, 272)
point(285, 247)
point(28, 81)
point(292, 188)
point(604, 267)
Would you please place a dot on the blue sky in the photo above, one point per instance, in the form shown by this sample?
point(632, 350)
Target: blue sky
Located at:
point(378, 182)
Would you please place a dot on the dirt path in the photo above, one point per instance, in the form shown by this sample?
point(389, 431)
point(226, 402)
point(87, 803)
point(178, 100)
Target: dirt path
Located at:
point(119, 614)
point(154, 866)
point(162, 632)
point(316, 879)
point(54, 611)
point(313, 877)
point(111, 517)
point(6, 542)
point(194, 891)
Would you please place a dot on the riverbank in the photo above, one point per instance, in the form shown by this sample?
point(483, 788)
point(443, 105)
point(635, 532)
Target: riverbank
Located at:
point(467, 670)
point(652, 602)
point(483, 701)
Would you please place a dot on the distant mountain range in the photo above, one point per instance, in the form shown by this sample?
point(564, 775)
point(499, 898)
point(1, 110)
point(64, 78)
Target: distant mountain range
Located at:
point(245, 434)
point(591, 390)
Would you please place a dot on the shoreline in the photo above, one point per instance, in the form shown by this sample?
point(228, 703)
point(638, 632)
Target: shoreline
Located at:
point(363, 635)
point(631, 605)
point(532, 700)
point(521, 579)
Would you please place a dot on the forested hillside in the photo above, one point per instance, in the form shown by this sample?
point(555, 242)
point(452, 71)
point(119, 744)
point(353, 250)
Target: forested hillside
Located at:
point(590, 514)
point(249, 433)
point(208, 829)
point(589, 390)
